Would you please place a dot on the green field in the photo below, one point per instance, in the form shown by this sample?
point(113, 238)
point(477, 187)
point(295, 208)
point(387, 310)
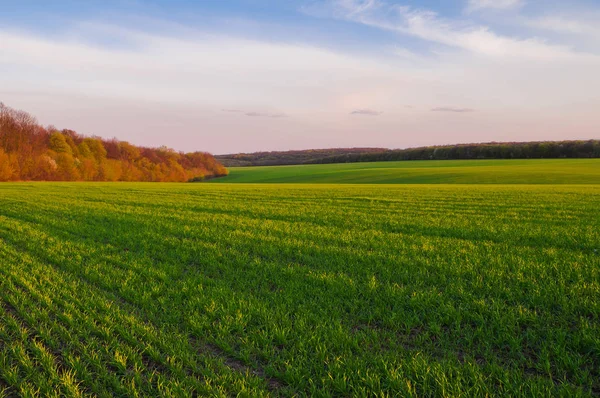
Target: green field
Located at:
point(299, 290)
point(538, 171)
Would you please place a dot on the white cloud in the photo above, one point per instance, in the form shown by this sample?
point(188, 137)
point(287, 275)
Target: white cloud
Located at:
point(563, 24)
point(493, 4)
point(428, 25)
point(226, 94)
point(205, 69)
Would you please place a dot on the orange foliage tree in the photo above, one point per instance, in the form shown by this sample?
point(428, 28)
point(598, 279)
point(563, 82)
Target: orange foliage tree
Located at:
point(29, 151)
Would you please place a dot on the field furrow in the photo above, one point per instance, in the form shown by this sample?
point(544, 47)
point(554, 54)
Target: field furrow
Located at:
point(183, 290)
point(132, 356)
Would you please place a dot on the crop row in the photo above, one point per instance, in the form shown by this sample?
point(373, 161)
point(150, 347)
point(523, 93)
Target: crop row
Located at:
point(174, 290)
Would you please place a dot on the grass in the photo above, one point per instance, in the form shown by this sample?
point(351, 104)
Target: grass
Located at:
point(538, 171)
point(312, 290)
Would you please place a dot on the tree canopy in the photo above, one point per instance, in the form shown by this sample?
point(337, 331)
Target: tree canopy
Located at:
point(31, 152)
point(491, 150)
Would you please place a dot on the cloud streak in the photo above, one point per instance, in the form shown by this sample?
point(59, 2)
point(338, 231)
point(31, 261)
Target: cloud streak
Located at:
point(265, 114)
point(566, 25)
point(475, 5)
point(274, 115)
point(366, 112)
point(452, 109)
point(428, 25)
point(196, 69)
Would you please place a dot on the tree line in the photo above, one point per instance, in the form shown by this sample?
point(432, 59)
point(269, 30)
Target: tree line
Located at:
point(31, 152)
point(275, 158)
point(492, 150)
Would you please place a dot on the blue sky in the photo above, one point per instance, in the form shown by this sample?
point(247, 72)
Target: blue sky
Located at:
point(248, 75)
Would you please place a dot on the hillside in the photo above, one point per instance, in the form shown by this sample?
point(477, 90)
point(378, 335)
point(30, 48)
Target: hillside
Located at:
point(30, 152)
point(490, 150)
point(529, 171)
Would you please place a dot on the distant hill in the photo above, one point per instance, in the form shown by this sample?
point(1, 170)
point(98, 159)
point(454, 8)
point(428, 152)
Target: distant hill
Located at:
point(490, 150)
point(290, 157)
point(30, 152)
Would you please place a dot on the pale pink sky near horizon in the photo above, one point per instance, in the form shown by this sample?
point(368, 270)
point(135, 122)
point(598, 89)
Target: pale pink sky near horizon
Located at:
point(192, 89)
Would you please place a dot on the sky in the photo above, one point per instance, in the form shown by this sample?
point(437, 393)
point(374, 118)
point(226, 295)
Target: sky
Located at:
point(228, 76)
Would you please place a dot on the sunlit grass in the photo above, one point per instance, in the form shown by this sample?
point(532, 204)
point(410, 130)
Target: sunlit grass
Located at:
point(332, 290)
point(534, 171)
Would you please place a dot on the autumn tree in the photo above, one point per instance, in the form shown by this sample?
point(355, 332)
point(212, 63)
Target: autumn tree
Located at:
point(29, 151)
point(66, 167)
point(58, 144)
point(6, 170)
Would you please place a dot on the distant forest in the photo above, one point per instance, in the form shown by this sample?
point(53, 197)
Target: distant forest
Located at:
point(492, 150)
point(290, 157)
point(30, 152)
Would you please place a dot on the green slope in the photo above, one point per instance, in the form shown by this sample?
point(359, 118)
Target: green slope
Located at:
point(534, 171)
